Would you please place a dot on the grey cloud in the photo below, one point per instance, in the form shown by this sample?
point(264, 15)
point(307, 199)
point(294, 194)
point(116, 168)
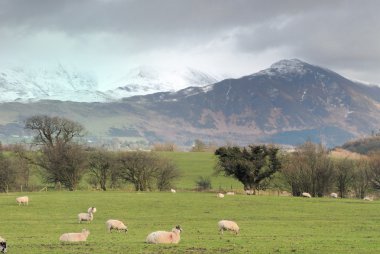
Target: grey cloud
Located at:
point(340, 34)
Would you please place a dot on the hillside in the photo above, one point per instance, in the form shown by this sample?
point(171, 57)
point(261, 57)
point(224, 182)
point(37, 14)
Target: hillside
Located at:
point(363, 145)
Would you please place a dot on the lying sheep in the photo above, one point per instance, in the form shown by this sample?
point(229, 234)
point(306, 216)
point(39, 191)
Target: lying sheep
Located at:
point(220, 195)
point(228, 225)
point(75, 237)
point(3, 245)
point(306, 195)
point(230, 193)
point(249, 192)
point(164, 236)
point(22, 200)
point(368, 198)
point(85, 217)
point(116, 224)
point(92, 210)
point(173, 190)
point(334, 195)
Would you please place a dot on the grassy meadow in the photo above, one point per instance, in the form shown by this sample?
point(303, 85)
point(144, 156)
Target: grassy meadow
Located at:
point(195, 164)
point(269, 224)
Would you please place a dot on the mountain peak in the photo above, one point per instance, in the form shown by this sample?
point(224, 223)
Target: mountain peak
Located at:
point(284, 67)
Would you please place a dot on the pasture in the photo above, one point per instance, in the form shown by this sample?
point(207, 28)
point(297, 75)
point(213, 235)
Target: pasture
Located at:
point(269, 224)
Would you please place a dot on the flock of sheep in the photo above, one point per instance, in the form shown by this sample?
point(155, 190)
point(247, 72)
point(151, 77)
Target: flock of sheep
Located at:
point(156, 237)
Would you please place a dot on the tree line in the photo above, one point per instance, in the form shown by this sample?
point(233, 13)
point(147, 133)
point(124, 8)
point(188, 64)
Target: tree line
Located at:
point(62, 160)
point(309, 168)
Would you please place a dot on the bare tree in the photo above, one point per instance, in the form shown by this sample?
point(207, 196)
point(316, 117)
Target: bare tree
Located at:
point(374, 161)
point(166, 174)
point(143, 169)
point(309, 169)
point(61, 157)
point(362, 177)
point(101, 167)
point(344, 175)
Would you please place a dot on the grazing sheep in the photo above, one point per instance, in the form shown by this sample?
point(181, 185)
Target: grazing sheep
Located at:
point(368, 198)
point(116, 224)
point(92, 210)
point(22, 200)
point(3, 245)
point(220, 195)
point(230, 193)
point(228, 225)
point(75, 237)
point(306, 195)
point(249, 192)
point(164, 236)
point(173, 190)
point(85, 217)
point(334, 195)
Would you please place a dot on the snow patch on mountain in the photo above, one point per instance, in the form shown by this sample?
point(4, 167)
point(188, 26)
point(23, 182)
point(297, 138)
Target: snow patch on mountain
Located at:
point(147, 79)
point(67, 84)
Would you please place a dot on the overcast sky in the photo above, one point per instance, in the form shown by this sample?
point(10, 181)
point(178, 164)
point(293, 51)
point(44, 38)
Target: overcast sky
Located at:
point(237, 37)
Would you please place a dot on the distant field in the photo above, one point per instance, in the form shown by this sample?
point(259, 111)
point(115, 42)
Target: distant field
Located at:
point(193, 164)
point(269, 224)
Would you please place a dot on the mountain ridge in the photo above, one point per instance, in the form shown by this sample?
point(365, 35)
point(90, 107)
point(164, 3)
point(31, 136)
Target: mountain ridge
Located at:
point(288, 103)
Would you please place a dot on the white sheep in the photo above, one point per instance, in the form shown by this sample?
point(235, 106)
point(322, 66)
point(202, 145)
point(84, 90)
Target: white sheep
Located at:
point(117, 225)
point(164, 236)
point(173, 190)
point(220, 195)
point(249, 192)
point(368, 198)
point(306, 195)
point(85, 217)
point(22, 200)
point(228, 225)
point(3, 245)
point(91, 209)
point(230, 193)
point(75, 237)
point(334, 195)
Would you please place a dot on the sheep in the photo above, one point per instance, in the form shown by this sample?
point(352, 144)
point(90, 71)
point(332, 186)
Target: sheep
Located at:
point(306, 195)
point(249, 192)
point(85, 217)
point(230, 193)
point(368, 198)
point(220, 195)
point(3, 245)
point(334, 195)
point(164, 236)
point(75, 237)
point(91, 209)
point(228, 225)
point(173, 190)
point(22, 200)
point(116, 224)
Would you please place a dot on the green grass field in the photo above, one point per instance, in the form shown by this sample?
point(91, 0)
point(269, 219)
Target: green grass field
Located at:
point(269, 224)
point(193, 164)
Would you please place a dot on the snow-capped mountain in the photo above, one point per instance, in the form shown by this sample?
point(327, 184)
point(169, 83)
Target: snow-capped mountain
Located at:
point(67, 84)
point(147, 79)
point(60, 83)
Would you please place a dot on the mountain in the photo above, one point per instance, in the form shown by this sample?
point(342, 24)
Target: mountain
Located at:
point(147, 80)
point(60, 83)
point(288, 103)
point(67, 84)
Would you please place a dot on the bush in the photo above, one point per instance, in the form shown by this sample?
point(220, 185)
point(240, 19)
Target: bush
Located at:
point(203, 183)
